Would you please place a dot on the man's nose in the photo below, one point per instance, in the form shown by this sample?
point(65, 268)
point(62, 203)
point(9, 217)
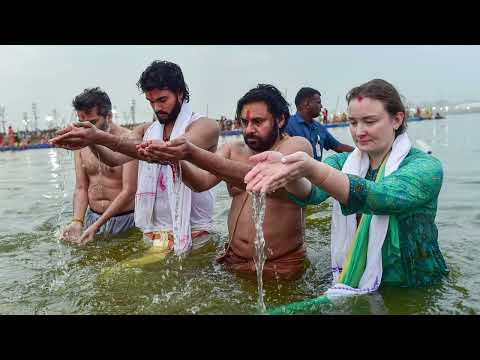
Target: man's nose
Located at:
point(250, 129)
point(157, 107)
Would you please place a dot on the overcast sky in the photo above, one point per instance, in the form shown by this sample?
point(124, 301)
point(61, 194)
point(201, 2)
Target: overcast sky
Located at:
point(219, 75)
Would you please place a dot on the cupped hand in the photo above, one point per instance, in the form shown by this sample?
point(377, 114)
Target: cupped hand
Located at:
point(71, 232)
point(75, 136)
point(266, 156)
point(178, 149)
point(165, 152)
point(270, 176)
point(87, 235)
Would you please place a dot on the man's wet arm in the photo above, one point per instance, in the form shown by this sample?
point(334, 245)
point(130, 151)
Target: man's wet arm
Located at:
point(232, 172)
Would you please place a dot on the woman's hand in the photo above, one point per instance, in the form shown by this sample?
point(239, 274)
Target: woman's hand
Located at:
point(268, 176)
point(266, 156)
point(261, 160)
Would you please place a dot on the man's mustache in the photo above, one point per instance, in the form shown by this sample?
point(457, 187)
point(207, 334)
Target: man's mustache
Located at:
point(250, 137)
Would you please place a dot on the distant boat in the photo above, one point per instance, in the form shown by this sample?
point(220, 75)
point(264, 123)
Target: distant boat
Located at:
point(415, 118)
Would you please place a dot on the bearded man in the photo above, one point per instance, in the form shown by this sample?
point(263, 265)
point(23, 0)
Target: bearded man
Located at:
point(263, 113)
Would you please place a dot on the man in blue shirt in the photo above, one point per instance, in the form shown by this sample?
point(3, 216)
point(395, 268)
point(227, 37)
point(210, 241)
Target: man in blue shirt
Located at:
point(309, 105)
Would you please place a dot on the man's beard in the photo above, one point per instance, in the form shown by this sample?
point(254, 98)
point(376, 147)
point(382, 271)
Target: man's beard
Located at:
point(261, 145)
point(171, 117)
point(105, 127)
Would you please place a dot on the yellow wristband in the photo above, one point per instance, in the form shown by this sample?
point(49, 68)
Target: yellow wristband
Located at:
point(78, 220)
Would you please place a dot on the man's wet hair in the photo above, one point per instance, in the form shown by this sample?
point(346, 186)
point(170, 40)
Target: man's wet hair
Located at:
point(163, 75)
point(93, 97)
point(270, 95)
point(385, 92)
point(305, 93)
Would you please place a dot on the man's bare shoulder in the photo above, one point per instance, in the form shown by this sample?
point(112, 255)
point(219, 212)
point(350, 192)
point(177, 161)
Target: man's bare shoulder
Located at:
point(237, 145)
point(88, 160)
point(206, 119)
point(240, 150)
point(142, 127)
point(121, 130)
point(204, 132)
point(205, 122)
point(138, 131)
point(228, 149)
point(296, 143)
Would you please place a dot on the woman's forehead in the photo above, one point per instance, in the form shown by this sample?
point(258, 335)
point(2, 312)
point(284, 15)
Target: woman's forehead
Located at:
point(365, 105)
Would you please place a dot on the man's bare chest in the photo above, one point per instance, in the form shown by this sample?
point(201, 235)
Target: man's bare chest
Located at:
point(94, 167)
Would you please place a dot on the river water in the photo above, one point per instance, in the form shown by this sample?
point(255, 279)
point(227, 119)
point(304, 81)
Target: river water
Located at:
point(41, 275)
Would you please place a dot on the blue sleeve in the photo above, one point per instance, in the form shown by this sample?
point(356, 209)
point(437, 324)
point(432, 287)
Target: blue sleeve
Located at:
point(330, 142)
point(290, 130)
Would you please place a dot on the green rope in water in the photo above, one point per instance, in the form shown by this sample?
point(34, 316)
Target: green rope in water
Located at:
point(310, 306)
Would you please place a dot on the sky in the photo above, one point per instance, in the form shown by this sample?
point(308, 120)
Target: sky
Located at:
point(219, 75)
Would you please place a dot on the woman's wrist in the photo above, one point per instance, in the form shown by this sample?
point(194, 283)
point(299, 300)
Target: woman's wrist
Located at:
point(320, 173)
point(310, 167)
point(300, 188)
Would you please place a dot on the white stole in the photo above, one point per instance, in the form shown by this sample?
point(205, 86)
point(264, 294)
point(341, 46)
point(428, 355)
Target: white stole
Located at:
point(149, 175)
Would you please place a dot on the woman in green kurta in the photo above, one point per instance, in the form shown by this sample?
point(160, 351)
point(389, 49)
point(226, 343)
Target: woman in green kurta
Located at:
point(411, 193)
point(408, 195)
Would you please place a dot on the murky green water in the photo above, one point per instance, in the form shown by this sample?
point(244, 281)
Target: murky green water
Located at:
point(41, 275)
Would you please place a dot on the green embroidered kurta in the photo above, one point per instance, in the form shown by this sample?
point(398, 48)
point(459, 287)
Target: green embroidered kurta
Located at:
point(410, 193)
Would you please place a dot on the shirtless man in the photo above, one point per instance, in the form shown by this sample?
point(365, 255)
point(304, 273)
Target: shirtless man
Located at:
point(103, 201)
point(168, 95)
point(263, 113)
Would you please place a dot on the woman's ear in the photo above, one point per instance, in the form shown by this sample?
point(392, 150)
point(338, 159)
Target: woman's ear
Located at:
point(398, 120)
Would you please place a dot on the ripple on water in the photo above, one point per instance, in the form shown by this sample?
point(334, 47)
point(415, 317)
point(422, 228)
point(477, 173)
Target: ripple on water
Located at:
point(476, 218)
